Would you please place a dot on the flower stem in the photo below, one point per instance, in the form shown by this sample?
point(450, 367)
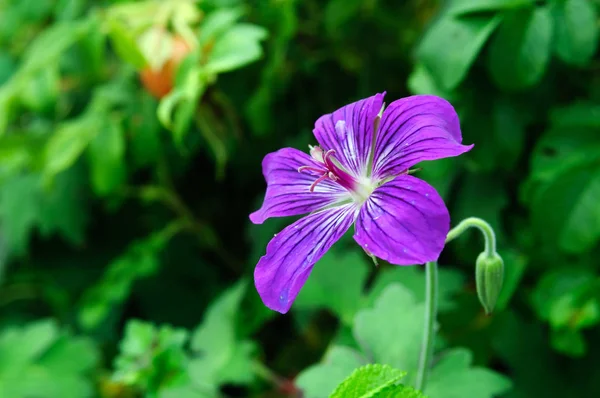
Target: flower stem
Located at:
point(484, 227)
point(431, 293)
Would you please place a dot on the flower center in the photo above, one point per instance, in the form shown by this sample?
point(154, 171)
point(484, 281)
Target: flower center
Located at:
point(329, 168)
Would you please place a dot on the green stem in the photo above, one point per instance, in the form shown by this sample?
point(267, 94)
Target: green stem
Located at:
point(431, 293)
point(484, 227)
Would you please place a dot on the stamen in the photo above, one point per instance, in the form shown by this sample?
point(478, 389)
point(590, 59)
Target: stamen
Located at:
point(318, 180)
point(310, 168)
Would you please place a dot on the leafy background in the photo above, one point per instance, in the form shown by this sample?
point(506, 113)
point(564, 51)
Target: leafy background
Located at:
point(131, 136)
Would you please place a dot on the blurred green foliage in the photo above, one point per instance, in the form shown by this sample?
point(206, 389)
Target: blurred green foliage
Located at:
point(131, 136)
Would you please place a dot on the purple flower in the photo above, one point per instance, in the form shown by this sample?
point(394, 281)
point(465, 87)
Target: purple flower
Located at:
point(357, 175)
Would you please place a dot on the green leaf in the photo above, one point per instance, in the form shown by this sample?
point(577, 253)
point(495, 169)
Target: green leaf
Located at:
point(320, 380)
point(368, 381)
point(237, 47)
point(568, 341)
point(26, 204)
point(40, 360)
point(453, 377)
point(50, 44)
point(451, 46)
point(176, 110)
point(520, 51)
point(396, 313)
point(458, 7)
point(451, 282)
point(40, 92)
point(67, 144)
point(217, 23)
point(19, 211)
point(125, 44)
point(565, 210)
point(421, 81)
point(576, 30)
point(568, 299)
point(106, 155)
point(139, 260)
point(325, 278)
point(399, 391)
point(61, 207)
point(151, 358)
point(222, 356)
point(576, 115)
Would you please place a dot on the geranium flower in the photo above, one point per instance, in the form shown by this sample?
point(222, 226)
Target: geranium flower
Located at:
point(357, 175)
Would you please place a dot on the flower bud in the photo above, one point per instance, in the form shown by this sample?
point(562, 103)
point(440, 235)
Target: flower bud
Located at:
point(489, 274)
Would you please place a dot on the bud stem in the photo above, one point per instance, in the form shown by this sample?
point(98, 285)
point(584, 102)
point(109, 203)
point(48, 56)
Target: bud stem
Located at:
point(431, 293)
point(484, 227)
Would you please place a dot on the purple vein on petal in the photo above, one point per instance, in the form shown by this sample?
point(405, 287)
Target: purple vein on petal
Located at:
point(291, 254)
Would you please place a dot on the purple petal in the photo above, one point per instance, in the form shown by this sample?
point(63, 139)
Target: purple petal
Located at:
point(349, 131)
point(414, 129)
point(291, 254)
point(288, 190)
point(404, 222)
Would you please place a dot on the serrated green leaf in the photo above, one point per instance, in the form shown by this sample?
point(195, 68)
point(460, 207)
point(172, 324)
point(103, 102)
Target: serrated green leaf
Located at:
point(368, 381)
point(399, 391)
point(38, 360)
point(325, 278)
point(218, 349)
point(151, 358)
point(320, 380)
point(391, 331)
point(451, 46)
point(520, 51)
point(576, 30)
point(412, 278)
point(453, 377)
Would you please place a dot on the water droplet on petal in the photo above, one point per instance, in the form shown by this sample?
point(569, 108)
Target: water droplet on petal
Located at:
point(274, 235)
point(283, 297)
point(426, 195)
point(412, 202)
point(404, 250)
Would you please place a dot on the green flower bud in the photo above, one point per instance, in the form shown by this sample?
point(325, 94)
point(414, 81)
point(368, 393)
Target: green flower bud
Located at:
point(489, 274)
